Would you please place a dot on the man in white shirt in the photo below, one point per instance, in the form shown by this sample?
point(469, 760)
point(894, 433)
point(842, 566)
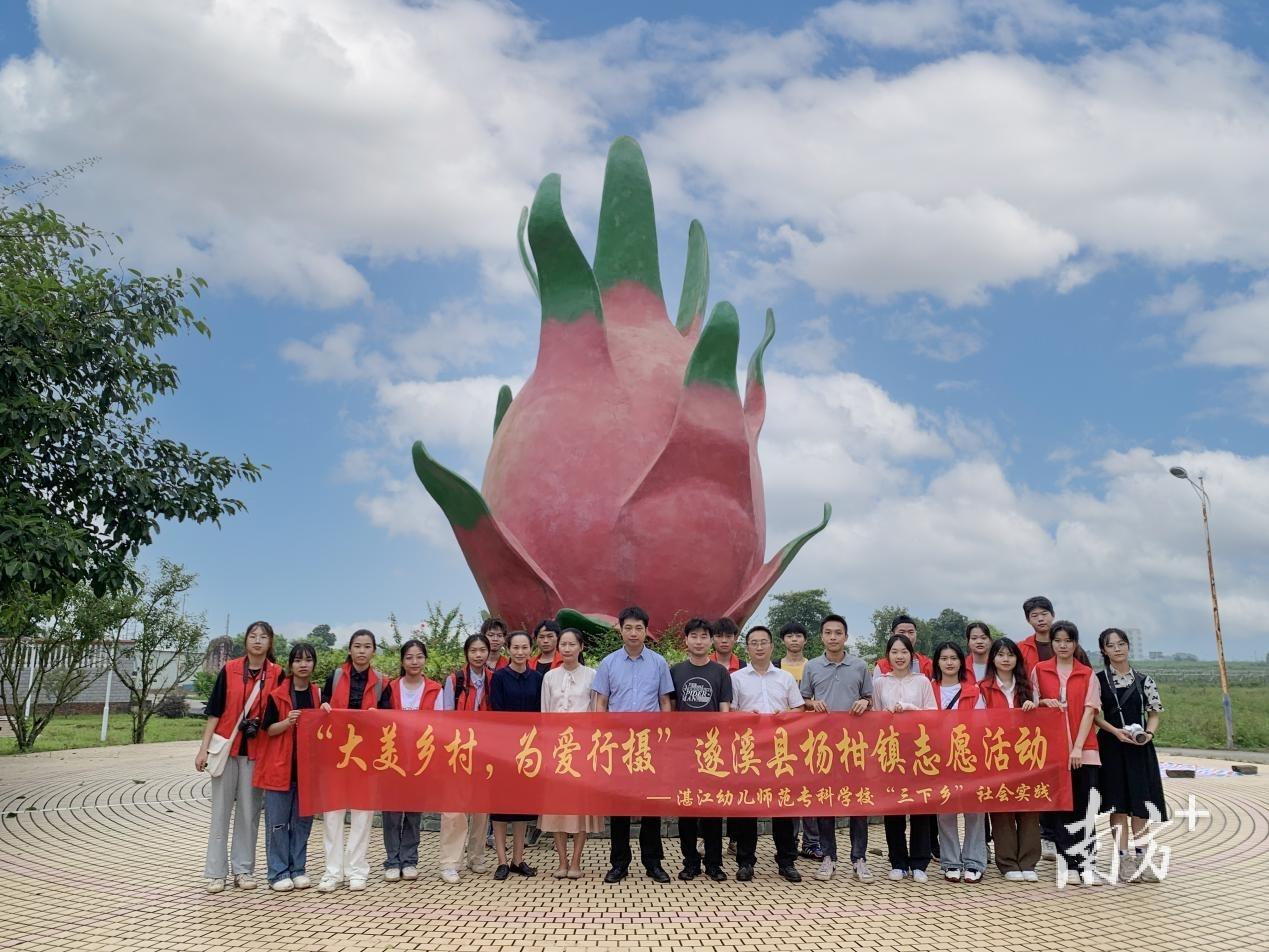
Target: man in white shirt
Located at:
point(762, 688)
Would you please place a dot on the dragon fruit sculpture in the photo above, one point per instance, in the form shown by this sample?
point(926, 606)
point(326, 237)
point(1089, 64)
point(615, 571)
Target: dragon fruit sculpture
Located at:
point(626, 470)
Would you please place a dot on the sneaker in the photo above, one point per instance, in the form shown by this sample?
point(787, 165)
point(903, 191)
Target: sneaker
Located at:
point(215, 885)
point(1127, 868)
point(1090, 878)
point(301, 882)
point(478, 868)
point(1146, 873)
point(827, 867)
point(919, 876)
point(808, 852)
point(952, 875)
point(409, 873)
point(450, 875)
point(282, 885)
point(1048, 850)
point(862, 872)
point(1030, 875)
point(328, 884)
point(356, 885)
point(245, 881)
point(1014, 876)
point(896, 874)
point(391, 874)
point(973, 875)
point(731, 847)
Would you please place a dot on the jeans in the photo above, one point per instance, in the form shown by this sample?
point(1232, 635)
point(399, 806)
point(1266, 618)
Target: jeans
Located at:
point(810, 833)
point(650, 852)
point(858, 837)
point(969, 852)
point(287, 844)
point(233, 795)
point(400, 839)
point(709, 828)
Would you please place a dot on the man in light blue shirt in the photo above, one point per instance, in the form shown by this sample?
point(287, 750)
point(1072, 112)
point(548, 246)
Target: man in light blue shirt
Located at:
point(634, 678)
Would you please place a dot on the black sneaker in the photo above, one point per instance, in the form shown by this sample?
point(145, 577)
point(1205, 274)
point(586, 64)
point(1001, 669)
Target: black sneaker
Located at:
point(808, 853)
point(791, 874)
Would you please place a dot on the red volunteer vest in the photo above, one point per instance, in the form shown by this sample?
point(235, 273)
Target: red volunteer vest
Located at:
point(993, 697)
point(375, 685)
point(733, 663)
point(238, 688)
point(967, 700)
point(431, 690)
point(555, 662)
point(1076, 691)
point(1030, 653)
point(467, 700)
point(273, 765)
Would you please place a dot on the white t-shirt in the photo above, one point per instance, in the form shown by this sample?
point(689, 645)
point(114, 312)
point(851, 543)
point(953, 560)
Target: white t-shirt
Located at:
point(946, 694)
point(980, 670)
point(410, 697)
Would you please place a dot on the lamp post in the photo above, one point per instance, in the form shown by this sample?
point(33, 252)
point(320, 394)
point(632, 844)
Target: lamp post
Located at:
point(1180, 473)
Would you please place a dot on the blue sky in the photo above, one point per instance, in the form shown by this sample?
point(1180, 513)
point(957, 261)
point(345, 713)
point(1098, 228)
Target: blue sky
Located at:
point(1016, 253)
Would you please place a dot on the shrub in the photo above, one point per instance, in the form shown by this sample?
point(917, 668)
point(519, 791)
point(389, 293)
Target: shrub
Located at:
point(173, 705)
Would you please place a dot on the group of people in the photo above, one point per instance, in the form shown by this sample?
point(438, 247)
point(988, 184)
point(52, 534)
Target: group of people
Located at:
point(1111, 716)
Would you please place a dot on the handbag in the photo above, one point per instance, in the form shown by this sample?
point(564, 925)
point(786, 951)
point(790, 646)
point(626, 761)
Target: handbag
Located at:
point(219, 747)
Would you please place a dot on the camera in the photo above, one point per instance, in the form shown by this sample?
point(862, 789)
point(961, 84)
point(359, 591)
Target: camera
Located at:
point(251, 726)
point(1137, 733)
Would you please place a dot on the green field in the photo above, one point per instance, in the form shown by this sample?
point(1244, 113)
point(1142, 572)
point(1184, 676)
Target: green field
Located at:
point(84, 730)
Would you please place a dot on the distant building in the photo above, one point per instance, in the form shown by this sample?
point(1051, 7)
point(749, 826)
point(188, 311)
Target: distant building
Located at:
point(1136, 644)
point(1156, 656)
point(1184, 656)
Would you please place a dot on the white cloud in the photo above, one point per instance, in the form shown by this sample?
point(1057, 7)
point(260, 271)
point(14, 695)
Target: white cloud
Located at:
point(1235, 333)
point(918, 25)
point(1183, 298)
point(336, 355)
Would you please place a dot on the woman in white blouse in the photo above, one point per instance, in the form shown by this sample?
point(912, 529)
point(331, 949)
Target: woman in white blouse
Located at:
point(566, 690)
point(896, 692)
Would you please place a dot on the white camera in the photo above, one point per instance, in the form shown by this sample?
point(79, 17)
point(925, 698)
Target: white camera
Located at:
point(1137, 733)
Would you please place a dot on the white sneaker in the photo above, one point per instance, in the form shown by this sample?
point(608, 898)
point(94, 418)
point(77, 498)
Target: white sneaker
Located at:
point(282, 885)
point(450, 875)
point(825, 872)
point(328, 884)
point(896, 874)
point(862, 872)
point(1127, 867)
point(919, 876)
point(392, 874)
point(1014, 876)
point(479, 868)
point(245, 881)
point(1090, 878)
point(301, 882)
point(409, 873)
point(356, 885)
point(1047, 849)
point(973, 875)
point(1030, 875)
point(215, 885)
point(953, 875)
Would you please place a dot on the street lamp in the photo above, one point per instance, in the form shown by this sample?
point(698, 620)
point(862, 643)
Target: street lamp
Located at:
point(1180, 473)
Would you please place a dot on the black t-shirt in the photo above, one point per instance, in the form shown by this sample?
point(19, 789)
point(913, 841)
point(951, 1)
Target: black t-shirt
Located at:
point(301, 699)
point(700, 687)
point(216, 702)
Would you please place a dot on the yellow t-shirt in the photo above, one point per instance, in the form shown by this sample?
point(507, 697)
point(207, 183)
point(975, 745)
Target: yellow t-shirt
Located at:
point(794, 668)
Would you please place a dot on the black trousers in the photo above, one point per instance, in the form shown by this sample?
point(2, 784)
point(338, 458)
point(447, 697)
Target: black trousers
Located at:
point(783, 832)
point(708, 828)
point(1067, 842)
point(650, 853)
point(910, 851)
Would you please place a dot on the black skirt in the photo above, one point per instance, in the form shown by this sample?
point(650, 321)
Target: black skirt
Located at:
point(513, 817)
point(1130, 777)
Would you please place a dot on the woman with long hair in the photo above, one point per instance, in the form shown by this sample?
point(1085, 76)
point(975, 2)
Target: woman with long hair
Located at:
point(897, 691)
point(466, 689)
point(354, 685)
point(962, 858)
point(1131, 785)
point(410, 691)
point(1065, 682)
point(566, 690)
point(234, 711)
point(276, 773)
point(1006, 686)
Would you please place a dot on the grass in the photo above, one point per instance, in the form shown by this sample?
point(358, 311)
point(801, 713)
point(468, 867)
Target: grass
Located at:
point(1193, 716)
point(84, 730)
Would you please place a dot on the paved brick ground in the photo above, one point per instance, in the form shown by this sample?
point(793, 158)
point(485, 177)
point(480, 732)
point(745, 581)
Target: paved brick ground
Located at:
point(102, 849)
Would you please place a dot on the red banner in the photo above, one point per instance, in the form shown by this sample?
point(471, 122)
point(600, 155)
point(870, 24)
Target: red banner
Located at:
point(684, 764)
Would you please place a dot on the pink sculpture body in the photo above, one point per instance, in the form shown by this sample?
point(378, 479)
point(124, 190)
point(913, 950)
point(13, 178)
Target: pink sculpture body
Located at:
point(626, 469)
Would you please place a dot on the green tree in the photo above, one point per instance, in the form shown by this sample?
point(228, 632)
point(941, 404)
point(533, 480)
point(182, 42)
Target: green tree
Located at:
point(949, 625)
point(808, 606)
point(85, 477)
point(51, 652)
point(158, 647)
point(322, 634)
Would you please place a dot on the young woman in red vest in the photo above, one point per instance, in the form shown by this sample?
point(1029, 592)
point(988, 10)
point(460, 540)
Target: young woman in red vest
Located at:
point(411, 691)
point(467, 689)
point(977, 644)
point(242, 680)
point(1005, 686)
point(354, 685)
point(1065, 682)
point(960, 858)
point(286, 831)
